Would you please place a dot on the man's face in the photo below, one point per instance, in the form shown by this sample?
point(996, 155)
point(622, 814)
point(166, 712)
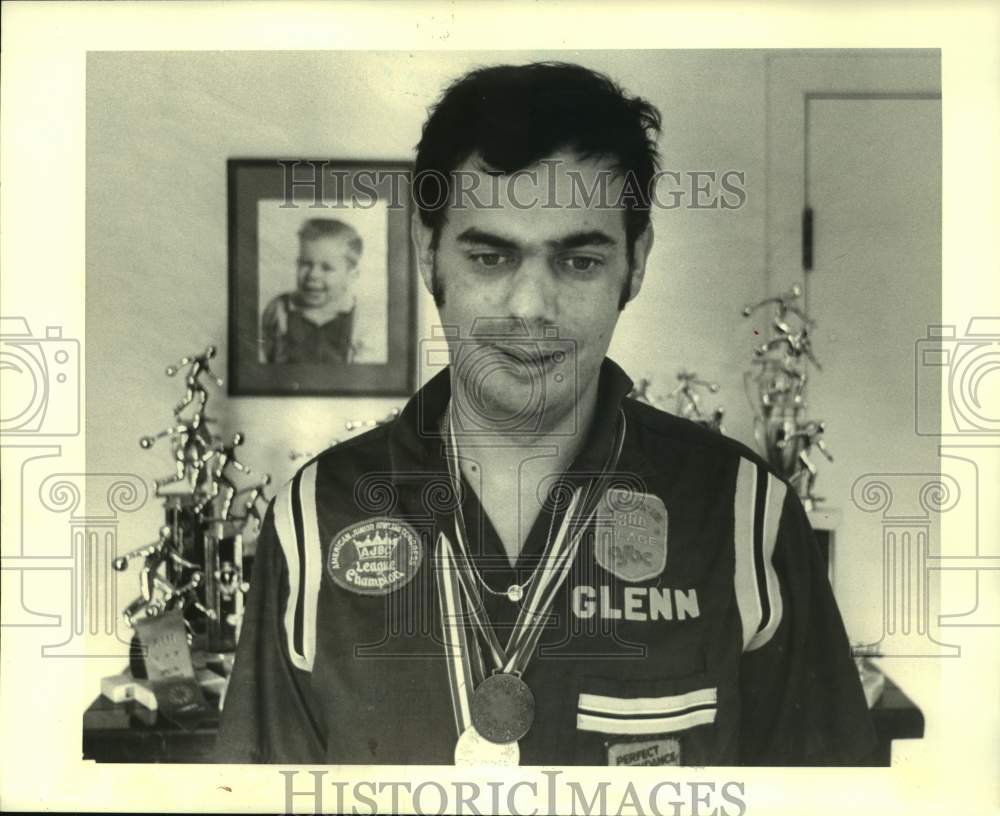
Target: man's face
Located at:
point(326, 271)
point(549, 270)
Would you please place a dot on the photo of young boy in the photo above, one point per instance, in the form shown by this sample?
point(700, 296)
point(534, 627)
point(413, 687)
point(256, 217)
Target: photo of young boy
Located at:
point(321, 286)
point(315, 323)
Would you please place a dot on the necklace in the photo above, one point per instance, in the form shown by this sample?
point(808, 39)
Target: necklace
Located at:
point(515, 592)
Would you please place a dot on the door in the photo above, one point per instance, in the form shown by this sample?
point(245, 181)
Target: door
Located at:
point(854, 217)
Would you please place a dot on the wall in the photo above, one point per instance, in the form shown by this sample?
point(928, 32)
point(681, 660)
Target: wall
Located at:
point(160, 127)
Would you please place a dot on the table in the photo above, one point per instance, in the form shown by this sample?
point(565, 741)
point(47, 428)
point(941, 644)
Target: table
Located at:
point(127, 732)
point(895, 716)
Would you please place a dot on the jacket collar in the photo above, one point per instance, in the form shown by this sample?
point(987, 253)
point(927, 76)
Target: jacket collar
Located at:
point(415, 443)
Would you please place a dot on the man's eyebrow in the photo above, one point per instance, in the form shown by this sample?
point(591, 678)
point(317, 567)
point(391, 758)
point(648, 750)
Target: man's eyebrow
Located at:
point(574, 240)
point(478, 236)
point(582, 239)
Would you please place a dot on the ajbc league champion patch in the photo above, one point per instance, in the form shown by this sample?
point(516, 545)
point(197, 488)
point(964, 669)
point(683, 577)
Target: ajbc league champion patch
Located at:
point(630, 540)
point(374, 557)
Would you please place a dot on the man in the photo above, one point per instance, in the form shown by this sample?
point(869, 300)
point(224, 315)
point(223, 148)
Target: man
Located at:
point(526, 566)
point(315, 323)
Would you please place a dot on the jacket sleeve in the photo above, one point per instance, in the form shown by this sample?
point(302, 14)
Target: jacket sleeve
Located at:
point(802, 701)
point(268, 715)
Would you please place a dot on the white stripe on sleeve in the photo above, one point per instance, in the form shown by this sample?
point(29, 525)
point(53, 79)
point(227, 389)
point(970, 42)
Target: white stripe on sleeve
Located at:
point(285, 528)
point(776, 490)
point(313, 567)
point(745, 574)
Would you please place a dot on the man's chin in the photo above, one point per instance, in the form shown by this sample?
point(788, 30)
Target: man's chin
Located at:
point(511, 404)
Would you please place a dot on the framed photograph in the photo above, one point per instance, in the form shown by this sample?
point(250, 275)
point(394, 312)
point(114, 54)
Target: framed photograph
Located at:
point(321, 278)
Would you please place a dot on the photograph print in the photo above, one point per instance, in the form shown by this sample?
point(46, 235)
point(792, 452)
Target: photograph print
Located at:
point(320, 284)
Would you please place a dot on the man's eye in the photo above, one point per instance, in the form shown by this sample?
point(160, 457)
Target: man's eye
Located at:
point(490, 260)
point(582, 263)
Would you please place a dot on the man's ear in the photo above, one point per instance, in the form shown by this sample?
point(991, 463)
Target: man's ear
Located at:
point(423, 240)
point(640, 254)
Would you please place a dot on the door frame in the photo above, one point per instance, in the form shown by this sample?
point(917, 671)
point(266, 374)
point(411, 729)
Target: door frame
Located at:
point(792, 79)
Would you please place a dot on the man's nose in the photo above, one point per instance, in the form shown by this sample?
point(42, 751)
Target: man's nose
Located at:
point(532, 295)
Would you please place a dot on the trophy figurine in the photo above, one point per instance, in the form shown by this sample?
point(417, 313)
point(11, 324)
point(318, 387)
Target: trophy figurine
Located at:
point(225, 457)
point(191, 443)
point(802, 441)
point(358, 424)
point(640, 391)
point(156, 595)
point(252, 504)
point(350, 426)
point(197, 367)
point(688, 399)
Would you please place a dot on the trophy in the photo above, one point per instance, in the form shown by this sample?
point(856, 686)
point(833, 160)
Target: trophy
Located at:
point(775, 387)
point(688, 400)
point(195, 573)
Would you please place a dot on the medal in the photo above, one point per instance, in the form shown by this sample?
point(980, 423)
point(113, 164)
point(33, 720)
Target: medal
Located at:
point(515, 592)
point(502, 708)
point(472, 749)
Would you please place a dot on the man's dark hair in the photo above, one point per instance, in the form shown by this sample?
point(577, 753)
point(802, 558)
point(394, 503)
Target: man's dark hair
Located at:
point(512, 116)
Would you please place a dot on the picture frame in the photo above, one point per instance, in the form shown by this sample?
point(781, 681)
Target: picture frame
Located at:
point(322, 295)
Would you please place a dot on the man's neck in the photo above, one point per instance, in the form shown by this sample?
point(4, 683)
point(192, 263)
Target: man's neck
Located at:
point(507, 470)
point(556, 443)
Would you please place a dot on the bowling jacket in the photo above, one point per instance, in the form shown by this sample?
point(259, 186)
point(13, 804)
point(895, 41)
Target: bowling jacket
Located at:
point(713, 640)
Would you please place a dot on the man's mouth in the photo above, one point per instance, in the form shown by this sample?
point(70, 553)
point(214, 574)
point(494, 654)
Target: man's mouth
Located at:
point(526, 356)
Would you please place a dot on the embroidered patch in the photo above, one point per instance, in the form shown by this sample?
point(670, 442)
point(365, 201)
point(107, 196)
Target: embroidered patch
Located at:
point(374, 557)
point(631, 537)
point(648, 752)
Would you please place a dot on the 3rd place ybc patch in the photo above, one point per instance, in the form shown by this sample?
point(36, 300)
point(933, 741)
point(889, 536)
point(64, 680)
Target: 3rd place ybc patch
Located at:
point(631, 537)
point(374, 557)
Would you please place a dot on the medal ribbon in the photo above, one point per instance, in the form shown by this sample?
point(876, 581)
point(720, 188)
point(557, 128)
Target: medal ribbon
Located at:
point(458, 566)
point(541, 596)
point(465, 664)
point(462, 567)
point(556, 561)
